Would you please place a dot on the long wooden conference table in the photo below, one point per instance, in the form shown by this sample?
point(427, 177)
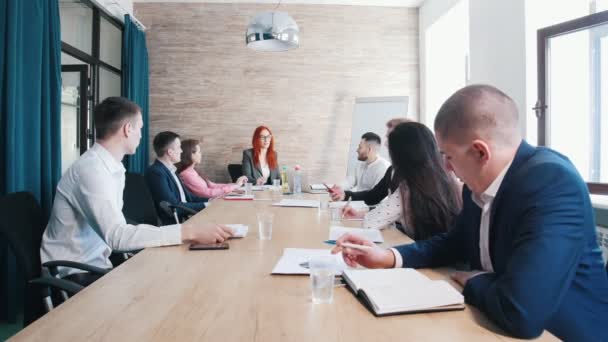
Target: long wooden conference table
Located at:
point(173, 294)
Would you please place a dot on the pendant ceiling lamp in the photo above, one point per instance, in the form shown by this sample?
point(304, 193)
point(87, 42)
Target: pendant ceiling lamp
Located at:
point(272, 31)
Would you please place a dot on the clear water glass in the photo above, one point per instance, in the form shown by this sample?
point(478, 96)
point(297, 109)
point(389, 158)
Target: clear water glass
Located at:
point(322, 274)
point(265, 225)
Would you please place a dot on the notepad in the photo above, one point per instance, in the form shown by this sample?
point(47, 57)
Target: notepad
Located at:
point(292, 259)
point(374, 235)
point(319, 188)
point(240, 230)
point(353, 204)
point(261, 187)
point(237, 197)
point(401, 291)
point(297, 203)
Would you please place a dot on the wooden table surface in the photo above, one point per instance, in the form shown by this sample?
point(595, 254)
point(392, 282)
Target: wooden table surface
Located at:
point(172, 294)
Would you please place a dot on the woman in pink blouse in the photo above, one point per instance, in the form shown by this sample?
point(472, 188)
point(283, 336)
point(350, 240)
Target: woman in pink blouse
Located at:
point(197, 183)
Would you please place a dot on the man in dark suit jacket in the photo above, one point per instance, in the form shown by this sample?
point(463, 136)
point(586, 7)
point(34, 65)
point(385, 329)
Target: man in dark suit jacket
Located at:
point(164, 183)
point(526, 229)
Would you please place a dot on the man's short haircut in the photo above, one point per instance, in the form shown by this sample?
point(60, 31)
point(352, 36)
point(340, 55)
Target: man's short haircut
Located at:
point(478, 111)
point(372, 137)
point(111, 114)
point(390, 124)
point(162, 141)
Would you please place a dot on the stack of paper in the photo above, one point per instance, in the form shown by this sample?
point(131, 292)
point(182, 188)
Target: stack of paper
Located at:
point(374, 235)
point(297, 203)
point(295, 260)
point(353, 204)
point(235, 197)
point(261, 187)
point(240, 230)
point(319, 188)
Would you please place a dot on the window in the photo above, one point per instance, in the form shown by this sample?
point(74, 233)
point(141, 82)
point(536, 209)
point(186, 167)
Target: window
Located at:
point(573, 76)
point(91, 45)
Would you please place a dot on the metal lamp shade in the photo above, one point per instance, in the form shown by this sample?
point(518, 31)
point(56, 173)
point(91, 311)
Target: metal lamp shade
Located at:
point(273, 31)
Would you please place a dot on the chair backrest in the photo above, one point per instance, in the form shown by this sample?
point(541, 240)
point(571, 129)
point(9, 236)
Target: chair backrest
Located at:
point(22, 225)
point(138, 205)
point(235, 171)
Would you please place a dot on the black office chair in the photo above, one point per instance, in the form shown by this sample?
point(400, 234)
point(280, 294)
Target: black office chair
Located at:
point(235, 171)
point(171, 210)
point(22, 225)
point(138, 205)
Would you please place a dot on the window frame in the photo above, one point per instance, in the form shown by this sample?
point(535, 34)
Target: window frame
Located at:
point(94, 61)
point(543, 35)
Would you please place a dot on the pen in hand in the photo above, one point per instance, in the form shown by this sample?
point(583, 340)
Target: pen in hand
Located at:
point(328, 188)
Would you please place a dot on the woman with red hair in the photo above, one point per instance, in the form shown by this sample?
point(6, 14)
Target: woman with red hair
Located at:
point(260, 162)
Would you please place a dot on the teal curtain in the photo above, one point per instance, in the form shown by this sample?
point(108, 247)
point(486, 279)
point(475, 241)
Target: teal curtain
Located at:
point(30, 97)
point(30, 107)
point(135, 87)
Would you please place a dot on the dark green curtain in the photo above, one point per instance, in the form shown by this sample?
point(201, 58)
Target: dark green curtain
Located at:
point(135, 87)
point(30, 106)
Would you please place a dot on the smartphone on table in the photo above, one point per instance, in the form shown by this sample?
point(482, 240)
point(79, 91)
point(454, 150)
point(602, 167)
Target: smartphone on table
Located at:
point(209, 246)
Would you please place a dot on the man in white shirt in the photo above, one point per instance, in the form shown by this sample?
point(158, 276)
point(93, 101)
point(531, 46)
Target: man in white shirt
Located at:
point(371, 168)
point(87, 222)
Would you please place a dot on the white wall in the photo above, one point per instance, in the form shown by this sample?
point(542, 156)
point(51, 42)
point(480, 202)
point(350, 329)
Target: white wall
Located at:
point(444, 41)
point(429, 14)
point(498, 48)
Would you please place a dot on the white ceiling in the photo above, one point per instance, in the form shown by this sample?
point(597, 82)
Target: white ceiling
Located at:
point(384, 3)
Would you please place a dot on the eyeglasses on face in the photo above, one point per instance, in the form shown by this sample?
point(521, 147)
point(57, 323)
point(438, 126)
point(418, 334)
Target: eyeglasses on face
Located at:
point(265, 137)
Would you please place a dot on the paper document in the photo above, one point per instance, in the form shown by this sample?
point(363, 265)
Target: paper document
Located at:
point(292, 258)
point(297, 203)
point(374, 235)
point(261, 187)
point(240, 230)
point(236, 197)
point(353, 204)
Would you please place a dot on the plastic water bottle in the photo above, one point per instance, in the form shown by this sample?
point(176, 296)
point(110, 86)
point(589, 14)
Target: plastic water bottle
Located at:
point(284, 182)
point(297, 180)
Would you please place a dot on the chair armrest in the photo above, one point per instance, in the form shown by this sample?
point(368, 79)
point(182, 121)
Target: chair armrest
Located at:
point(62, 284)
point(169, 208)
point(52, 266)
point(183, 207)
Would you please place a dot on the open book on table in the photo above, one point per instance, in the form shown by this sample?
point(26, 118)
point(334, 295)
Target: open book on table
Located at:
point(401, 291)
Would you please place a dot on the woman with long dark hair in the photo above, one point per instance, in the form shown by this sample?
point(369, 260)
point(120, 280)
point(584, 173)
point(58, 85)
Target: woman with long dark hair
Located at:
point(260, 162)
point(427, 199)
point(199, 184)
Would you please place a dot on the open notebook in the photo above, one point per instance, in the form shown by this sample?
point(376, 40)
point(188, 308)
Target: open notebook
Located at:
point(401, 290)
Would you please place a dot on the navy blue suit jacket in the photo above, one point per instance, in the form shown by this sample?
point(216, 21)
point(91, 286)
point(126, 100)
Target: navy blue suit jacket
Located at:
point(548, 268)
point(163, 188)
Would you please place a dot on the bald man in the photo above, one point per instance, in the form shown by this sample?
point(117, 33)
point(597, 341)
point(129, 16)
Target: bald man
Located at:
point(526, 229)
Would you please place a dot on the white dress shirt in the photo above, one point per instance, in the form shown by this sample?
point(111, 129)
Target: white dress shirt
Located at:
point(172, 169)
point(365, 175)
point(87, 222)
point(484, 201)
point(265, 173)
